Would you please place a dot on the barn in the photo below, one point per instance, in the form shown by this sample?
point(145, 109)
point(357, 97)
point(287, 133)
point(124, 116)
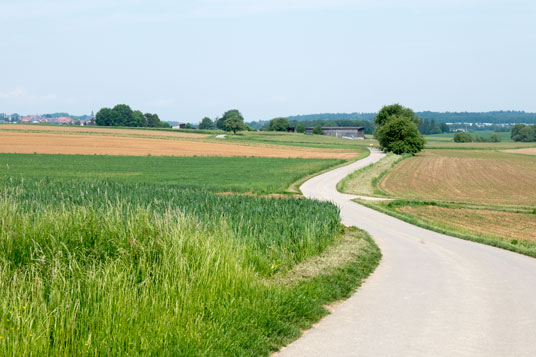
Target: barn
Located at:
point(347, 132)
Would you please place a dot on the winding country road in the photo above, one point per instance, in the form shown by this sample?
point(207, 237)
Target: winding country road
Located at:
point(432, 295)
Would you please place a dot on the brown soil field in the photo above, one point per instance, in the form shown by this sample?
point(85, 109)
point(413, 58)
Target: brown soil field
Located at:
point(527, 151)
point(99, 130)
point(53, 143)
point(503, 225)
point(464, 176)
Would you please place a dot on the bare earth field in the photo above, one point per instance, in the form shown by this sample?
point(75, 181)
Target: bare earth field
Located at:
point(89, 144)
point(503, 225)
point(98, 130)
point(471, 176)
point(527, 151)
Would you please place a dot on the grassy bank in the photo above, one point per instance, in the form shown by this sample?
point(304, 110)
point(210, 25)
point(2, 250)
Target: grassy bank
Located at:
point(241, 174)
point(112, 268)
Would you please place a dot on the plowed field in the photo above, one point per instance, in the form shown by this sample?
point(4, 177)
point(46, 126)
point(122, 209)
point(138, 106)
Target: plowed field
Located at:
point(504, 225)
point(527, 151)
point(464, 176)
point(98, 130)
point(55, 143)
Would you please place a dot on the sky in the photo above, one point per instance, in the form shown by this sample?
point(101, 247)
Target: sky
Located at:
point(185, 60)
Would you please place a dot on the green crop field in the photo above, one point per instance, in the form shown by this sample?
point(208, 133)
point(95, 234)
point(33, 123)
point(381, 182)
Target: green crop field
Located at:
point(299, 139)
point(243, 174)
point(114, 268)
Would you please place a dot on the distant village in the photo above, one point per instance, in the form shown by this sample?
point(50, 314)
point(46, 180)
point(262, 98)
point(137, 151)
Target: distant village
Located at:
point(56, 118)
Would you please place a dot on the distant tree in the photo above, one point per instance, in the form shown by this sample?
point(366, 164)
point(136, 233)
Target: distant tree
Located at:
point(495, 138)
point(444, 128)
point(318, 130)
point(136, 119)
point(300, 128)
point(400, 135)
point(233, 121)
point(206, 124)
point(104, 117)
point(152, 120)
point(397, 130)
point(122, 115)
point(278, 124)
point(219, 123)
point(515, 131)
point(463, 137)
point(188, 126)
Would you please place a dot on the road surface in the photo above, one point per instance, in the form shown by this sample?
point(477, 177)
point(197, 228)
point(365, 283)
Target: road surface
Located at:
point(432, 295)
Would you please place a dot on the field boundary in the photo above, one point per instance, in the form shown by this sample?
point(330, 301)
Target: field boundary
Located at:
point(477, 239)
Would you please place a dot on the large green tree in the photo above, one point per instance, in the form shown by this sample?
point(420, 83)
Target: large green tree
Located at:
point(397, 130)
point(233, 121)
point(123, 115)
point(206, 124)
point(278, 124)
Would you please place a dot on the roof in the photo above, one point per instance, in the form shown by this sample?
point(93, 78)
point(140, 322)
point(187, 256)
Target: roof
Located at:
point(339, 127)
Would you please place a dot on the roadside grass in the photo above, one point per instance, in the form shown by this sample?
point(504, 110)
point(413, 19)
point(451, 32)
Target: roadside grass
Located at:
point(465, 194)
point(362, 181)
point(112, 268)
point(239, 174)
point(294, 188)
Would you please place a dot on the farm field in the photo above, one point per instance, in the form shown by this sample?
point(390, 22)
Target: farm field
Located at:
point(165, 142)
point(239, 174)
point(490, 177)
point(44, 143)
point(299, 140)
point(482, 195)
point(527, 151)
point(144, 255)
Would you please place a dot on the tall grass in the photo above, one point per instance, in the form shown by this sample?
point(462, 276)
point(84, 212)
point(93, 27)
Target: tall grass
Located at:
point(103, 268)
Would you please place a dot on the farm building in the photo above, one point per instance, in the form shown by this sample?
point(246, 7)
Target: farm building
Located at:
point(350, 132)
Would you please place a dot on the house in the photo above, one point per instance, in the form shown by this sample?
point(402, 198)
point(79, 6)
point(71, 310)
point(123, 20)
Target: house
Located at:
point(345, 132)
point(180, 126)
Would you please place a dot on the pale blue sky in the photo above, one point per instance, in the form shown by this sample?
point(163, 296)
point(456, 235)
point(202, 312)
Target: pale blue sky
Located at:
point(187, 59)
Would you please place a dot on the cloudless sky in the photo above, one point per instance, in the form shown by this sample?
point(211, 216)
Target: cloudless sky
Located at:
point(188, 59)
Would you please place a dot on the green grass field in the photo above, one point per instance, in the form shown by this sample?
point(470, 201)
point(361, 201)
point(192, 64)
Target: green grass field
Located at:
point(263, 175)
point(298, 139)
point(90, 267)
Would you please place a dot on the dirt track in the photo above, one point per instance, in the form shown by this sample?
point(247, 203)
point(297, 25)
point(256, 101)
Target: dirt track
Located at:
point(53, 143)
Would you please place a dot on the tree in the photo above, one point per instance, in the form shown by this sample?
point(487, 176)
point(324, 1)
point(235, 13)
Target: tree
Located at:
point(278, 124)
point(137, 119)
point(495, 138)
point(395, 110)
point(444, 128)
point(188, 126)
point(318, 130)
point(233, 121)
point(463, 137)
point(122, 115)
point(300, 128)
point(206, 124)
point(397, 130)
point(400, 135)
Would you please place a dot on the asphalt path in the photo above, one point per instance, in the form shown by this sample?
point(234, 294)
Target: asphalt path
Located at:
point(431, 295)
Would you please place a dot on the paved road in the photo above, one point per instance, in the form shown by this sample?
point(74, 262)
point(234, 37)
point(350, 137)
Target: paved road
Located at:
point(432, 295)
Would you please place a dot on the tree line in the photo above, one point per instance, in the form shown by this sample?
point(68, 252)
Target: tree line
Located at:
point(123, 115)
point(522, 132)
point(466, 137)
